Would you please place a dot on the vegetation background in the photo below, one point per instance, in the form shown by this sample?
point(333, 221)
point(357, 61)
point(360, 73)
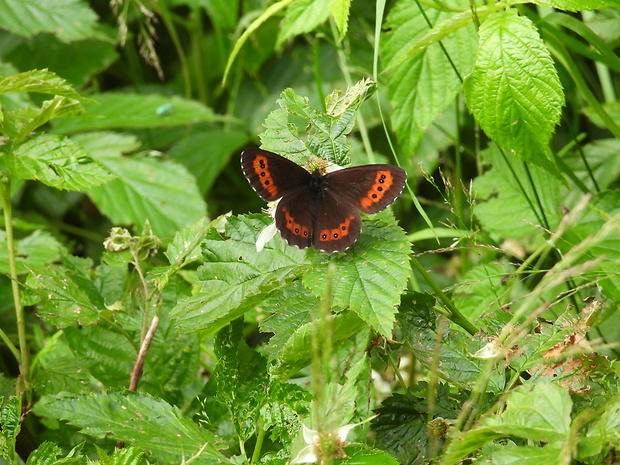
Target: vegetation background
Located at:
point(139, 323)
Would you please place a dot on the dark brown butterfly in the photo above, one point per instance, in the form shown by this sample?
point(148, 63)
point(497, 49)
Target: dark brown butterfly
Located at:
point(321, 210)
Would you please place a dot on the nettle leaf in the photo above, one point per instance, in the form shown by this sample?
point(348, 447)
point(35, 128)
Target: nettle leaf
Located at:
point(327, 133)
point(68, 297)
point(241, 378)
point(41, 81)
point(119, 110)
point(539, 413)
point(514, 91)
point(185, 248)
point(235, 277)
point(138, 419)
point(59, 369)
point(70, 20)
point(296, 353)
point(579, 5)
point(303, 16)
point(359, 455)
point(11, 426)
point(282, 413)
point(125, 456)
point(290, 309)
point(370, 277)
point(340, 12)
point(147, 188)
point(401, 427)
point(20, 123)
point(508, 202)
point(58, 162)
point(480, 290)
point(423, 82)
point(48, 453)
point(603, 432)
point(110, 355)
point(35, 252)
point(418, 324)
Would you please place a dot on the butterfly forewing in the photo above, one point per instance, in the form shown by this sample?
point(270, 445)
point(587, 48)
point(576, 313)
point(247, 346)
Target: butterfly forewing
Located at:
point(271, 175)
point(370, 187)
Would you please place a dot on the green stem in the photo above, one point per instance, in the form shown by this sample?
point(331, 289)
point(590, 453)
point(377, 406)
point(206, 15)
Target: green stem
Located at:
point(259, 443)
point(455, 315)
point(23, 384)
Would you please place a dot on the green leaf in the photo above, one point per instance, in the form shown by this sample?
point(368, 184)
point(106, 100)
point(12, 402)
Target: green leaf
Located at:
point(46, 51)
point(11, 426)
point(19, 124)
point(58, 162)
point(579, 5)
point(291, 308)
point(241, 377)
point(221, 145)
point(34, 252)
point(48, 453)
point(340, 12)
point(69, 19)
point(281, 415)
point(539, 413)
point(603, 433)
point(41, 81)
point(125, 110)
point(146, 187)
point(109, 354)
point(508, 197)
point(479, 290)
point(139, 419)
point(125, 456)
point(59, 369)
point(234, 277)
point(185, 247)
point(514, 91)
point(423, 82)
point(296, 353)
point(327, 132)
point(418, 323)
point(303, 16)
point(357, 455)
point(370, 277)
point(68, 297)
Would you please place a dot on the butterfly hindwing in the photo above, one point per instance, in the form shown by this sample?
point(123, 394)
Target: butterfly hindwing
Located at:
point(370, 188)
point(337, 223)
point(271, 175)
point(295, 217)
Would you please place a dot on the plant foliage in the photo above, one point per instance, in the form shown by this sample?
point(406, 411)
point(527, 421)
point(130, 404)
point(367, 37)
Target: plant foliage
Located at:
point(151, 312)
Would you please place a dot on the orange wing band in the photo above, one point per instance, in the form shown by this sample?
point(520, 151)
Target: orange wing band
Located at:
point(383, 183)
point(261, 168)
point(335, 234)
point(293, 227)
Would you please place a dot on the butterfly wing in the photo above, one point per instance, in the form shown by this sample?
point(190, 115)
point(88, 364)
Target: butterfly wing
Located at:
point(271, 175)
point(295, 217)
point(370, 188)
point(337, 222)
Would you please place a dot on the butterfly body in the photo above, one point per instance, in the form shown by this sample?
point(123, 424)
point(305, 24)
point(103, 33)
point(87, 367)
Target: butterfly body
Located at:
point(321, 210)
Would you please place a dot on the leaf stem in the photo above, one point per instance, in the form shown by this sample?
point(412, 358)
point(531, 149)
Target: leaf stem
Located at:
point(455, 315)
point(23, 357)
point(259, 444)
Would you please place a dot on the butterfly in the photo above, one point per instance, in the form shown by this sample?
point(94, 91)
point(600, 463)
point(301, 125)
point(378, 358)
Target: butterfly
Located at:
point(321, 210)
